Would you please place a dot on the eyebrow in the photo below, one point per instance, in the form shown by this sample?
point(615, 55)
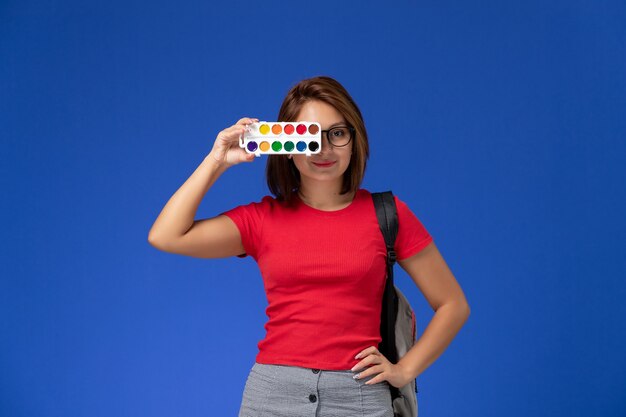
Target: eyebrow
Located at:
point(336, 124)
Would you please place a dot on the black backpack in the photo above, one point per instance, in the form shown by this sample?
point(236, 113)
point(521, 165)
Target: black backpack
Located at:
point(397, 324)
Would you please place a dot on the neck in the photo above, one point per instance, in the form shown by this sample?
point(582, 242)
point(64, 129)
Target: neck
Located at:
point(324, 196)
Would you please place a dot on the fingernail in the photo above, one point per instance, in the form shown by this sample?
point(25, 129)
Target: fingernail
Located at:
point(356, 376)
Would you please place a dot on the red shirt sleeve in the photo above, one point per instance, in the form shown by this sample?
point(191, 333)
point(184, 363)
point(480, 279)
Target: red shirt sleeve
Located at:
point(249, 220)
point(412, 235)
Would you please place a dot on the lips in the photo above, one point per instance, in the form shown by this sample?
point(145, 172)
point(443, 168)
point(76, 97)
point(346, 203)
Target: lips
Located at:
point(324, 163)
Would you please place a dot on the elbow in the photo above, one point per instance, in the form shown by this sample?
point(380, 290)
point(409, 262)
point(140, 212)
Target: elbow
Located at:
point(458, 308)
point(462, 309)
point(463, 306)
point(465, 310)
point(152, 240)
point(154, 236)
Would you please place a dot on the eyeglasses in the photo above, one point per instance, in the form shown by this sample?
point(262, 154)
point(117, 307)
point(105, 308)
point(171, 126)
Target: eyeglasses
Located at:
point(339, 136)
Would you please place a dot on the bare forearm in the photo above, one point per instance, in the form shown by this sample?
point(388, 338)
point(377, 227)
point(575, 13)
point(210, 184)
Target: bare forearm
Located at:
point(443, 327)
point(179, 213)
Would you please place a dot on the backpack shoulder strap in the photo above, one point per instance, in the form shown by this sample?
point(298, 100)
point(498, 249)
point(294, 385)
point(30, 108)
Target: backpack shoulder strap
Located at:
point(387, 214)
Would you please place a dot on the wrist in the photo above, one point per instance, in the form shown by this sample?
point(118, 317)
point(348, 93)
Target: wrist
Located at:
point(215, 162)
point(406, 370)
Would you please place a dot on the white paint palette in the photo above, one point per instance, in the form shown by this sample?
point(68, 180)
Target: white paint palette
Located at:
point(276, 138)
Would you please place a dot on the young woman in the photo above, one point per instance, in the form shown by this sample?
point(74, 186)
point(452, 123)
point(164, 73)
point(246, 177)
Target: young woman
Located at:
point(322, 258)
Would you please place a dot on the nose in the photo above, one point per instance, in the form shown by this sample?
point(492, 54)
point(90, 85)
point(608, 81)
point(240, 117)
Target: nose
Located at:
point(326, 146)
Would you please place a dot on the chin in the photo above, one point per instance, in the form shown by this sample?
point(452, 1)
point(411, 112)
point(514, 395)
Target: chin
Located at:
point(328, 176)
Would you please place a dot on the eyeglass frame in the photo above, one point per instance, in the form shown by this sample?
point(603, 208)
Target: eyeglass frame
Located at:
point(350, 129)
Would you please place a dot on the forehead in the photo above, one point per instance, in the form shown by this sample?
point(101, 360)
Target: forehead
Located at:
point(320, 112)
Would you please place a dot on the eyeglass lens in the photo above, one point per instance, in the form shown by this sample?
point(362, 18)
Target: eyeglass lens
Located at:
point(339, 136)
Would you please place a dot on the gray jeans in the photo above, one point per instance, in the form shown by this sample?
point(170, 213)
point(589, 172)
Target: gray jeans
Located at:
point(292, 391)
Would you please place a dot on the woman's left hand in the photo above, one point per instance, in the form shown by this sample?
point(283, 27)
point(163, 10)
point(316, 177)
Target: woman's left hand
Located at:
point(395, 375)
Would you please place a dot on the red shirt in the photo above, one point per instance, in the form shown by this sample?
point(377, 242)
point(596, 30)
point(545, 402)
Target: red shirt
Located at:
point(324, 275)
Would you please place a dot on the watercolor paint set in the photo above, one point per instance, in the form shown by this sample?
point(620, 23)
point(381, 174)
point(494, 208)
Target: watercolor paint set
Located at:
point(276, 138)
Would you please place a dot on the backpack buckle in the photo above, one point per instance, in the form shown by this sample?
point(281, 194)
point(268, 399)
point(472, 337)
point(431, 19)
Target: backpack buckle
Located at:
point(391, 257)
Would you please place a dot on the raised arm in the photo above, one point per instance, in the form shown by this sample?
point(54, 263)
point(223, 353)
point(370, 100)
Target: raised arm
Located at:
point(175, 229)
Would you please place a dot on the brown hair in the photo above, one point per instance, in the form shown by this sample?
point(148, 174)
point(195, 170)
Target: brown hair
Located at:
point(283, 178)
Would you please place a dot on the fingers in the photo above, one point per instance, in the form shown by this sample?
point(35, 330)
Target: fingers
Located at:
point(227, 147)
point(232, 134)
point(369, 360)
point(378, 378)
point(373, 363)
point(369, 350)
point(246, 121)
point(372, 370)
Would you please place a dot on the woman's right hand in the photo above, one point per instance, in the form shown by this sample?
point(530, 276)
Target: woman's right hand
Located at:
point(226, 150)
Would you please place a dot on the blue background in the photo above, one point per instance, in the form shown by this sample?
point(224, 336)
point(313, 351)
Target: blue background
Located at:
point(501, 124)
